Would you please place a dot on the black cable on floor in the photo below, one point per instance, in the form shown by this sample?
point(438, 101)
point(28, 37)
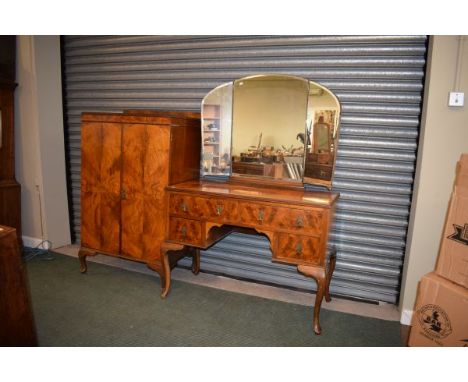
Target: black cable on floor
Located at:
point(30, 253)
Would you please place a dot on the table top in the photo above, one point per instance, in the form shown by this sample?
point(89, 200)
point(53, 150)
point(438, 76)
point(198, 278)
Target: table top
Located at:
point(274, 194)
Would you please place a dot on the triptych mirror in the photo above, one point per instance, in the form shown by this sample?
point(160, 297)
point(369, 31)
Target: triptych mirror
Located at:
point(273, 127)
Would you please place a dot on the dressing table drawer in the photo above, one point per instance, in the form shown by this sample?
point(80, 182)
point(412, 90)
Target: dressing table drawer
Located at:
point(219, 210)
point(183, 205)
point(185, 231)
point(298, 249)
point(283, 218)
point(253, 214)
point(300, 221)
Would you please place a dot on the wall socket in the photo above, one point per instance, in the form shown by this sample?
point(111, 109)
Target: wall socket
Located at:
point(456, 99)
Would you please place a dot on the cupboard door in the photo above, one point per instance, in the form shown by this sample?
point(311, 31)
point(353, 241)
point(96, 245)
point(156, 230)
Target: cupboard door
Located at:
point(100, 186)
point(145, 170)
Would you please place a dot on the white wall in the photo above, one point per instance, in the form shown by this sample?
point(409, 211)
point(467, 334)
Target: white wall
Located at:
point(444, 136)
point(40, 163)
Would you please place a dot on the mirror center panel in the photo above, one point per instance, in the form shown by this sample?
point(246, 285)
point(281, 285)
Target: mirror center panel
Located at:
point(269, 126)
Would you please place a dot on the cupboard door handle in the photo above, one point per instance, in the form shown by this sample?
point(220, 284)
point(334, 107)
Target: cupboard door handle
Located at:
point(299, 222)
point(219, 210)
point(184, 207)
point(184, 232)
point(299, 248)
point(261, 215)
point(123, 194)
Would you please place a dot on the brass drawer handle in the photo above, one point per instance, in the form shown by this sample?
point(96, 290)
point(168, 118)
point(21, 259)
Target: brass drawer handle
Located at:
point(261, 215)
point(299, 222)
point(184, 207)
point(219, 210)
point(299, 248)
point(184, 232)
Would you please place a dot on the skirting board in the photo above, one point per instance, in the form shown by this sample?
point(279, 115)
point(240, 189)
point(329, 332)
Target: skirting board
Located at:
point(34, 242)
point(406, 316)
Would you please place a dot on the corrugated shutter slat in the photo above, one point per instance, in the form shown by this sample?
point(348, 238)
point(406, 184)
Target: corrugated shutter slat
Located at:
point(379, 81)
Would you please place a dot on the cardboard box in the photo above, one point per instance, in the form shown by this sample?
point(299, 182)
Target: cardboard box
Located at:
point(440, 316)
point(461, 180)
point(453, 255)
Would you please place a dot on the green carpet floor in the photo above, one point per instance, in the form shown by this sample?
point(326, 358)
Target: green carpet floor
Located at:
point(113, 307)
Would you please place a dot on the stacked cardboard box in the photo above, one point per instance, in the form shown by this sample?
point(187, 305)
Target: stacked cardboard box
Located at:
point(453, 256)
point(440, 316)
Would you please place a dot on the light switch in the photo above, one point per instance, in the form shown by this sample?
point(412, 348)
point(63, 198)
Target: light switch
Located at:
point(456, 99)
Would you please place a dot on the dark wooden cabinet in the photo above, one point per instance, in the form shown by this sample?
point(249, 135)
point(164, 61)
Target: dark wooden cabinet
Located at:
point(16, 318)
point(10, 189)
point(127, 161)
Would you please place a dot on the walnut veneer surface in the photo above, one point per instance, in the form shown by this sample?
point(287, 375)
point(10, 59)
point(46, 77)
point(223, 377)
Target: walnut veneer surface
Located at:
point(297, 223)
point(126, 162)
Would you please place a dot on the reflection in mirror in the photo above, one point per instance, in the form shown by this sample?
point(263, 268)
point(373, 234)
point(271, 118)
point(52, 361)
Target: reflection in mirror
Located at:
point(282, 128)
point(322, 120)
point(216, 131)
point(269, 128)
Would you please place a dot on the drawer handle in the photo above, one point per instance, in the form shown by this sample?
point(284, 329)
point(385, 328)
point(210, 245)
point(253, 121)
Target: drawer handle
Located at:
point(184, 232)
point(299, 222)
point(261, 215)
point(184, 207)
point(299, 248)
point(219, 210)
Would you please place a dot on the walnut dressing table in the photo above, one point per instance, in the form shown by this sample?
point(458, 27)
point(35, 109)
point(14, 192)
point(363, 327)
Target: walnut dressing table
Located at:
point(296, 222)
point(285, 123)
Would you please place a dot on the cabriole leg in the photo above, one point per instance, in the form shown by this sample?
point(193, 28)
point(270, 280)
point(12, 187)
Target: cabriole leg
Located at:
point(170, 254)
point(331, 268)
point(317, 273)
point(82, 254)
point(195, 261)
point(168, 263)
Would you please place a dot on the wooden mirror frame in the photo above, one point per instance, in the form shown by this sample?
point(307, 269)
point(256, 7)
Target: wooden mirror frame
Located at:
point(306, 178)
point(333, 138)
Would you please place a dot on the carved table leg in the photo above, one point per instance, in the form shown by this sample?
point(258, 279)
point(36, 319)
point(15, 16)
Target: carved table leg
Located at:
point(166, 280)
point(171, 253)
point(167, 266)
point(157, 265)
point(195, 261)
point(331, 268)
point(318, 273)
point(323, 277)
point(83, 252)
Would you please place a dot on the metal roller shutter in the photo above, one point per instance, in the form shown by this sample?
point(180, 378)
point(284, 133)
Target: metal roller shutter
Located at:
point(379, 81)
